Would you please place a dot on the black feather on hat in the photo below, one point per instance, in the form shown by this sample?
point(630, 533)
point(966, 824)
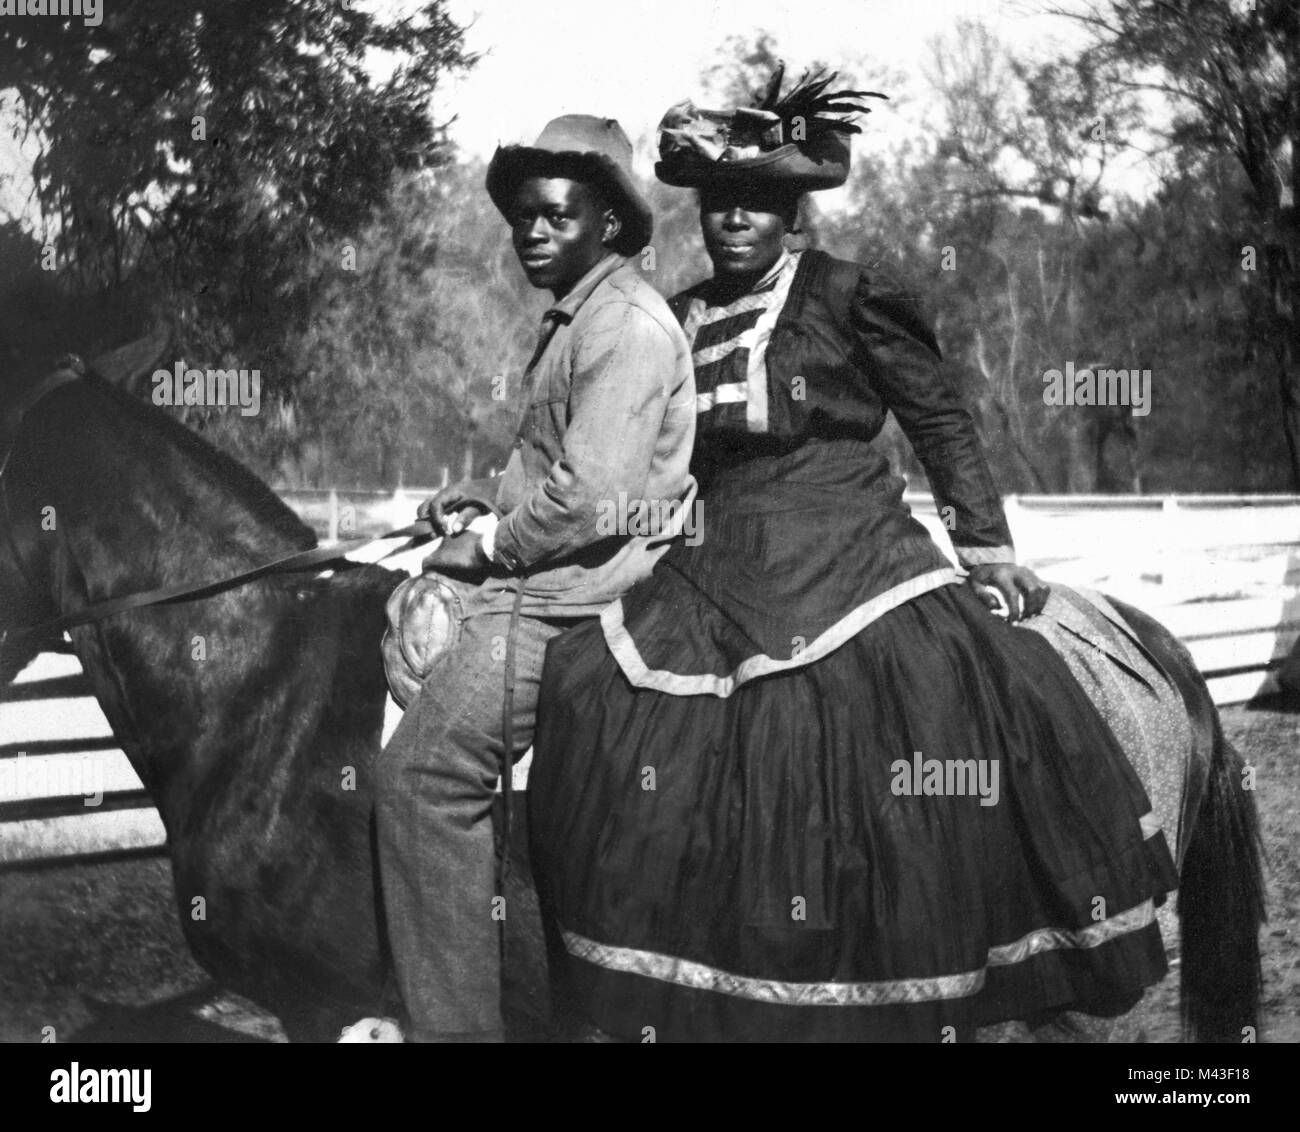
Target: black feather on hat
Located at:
point(800, 141)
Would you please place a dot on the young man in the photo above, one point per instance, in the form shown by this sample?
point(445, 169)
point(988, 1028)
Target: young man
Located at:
point(608, 406)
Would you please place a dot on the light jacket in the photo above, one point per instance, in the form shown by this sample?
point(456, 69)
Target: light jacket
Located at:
point(608, 427)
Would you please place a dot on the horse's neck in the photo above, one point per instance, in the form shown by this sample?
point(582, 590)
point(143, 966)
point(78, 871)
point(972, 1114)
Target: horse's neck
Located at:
point(138, 511)
point(142, 511)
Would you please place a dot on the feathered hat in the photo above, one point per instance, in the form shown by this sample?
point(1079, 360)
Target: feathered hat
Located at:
point(585, 148)
point(800, 141)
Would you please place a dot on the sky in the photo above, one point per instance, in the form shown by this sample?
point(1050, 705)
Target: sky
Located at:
point(632, 59)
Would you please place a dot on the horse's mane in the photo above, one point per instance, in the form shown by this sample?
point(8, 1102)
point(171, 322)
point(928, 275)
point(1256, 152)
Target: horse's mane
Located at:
point(243, 485)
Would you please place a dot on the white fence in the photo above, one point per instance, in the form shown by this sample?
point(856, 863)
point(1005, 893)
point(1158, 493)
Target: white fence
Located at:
point(1222, 571)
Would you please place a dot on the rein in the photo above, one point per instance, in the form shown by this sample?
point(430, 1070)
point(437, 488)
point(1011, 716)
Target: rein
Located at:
point(73, 370)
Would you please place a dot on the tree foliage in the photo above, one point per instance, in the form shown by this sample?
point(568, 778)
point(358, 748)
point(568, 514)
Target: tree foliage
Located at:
point(415, 356)
point(205, 150)
point(1230, 71)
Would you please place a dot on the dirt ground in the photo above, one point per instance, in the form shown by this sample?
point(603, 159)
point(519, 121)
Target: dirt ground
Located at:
point(95, 951)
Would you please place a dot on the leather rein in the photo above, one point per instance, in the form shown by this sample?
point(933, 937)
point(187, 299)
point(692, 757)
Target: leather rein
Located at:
point(73, 369)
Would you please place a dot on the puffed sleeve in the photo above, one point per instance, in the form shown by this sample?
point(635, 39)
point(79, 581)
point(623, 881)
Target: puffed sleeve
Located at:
point(897, 349)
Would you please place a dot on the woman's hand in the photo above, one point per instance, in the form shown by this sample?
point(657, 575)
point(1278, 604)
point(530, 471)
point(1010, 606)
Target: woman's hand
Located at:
point(1024, 592)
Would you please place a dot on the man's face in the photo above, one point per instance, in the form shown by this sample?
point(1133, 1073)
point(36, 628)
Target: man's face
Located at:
point(743, 229)
point(559, 228)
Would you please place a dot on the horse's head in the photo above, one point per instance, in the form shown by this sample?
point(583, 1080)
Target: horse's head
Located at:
point(125, 367)
point(87, 458)
point(25, 598)
point(128, 366)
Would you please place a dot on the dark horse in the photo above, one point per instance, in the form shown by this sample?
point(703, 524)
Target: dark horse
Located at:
point(254, 716)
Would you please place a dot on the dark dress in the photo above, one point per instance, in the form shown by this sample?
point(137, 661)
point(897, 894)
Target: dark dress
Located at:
point(801, 784)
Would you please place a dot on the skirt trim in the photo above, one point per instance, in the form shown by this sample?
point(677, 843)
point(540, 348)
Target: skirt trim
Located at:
point(886, 992)
point(629, 658)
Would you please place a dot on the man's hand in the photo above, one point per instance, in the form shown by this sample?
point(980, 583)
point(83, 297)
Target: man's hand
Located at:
point(1024, 591)
point(460, 556)
point(450, 511)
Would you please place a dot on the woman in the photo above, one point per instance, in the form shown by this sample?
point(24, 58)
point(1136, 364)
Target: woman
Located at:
point(801, 784)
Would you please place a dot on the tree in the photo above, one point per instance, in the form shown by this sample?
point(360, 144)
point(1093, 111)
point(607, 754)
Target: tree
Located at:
point(425, 322)
point(206, 149)
point(1016, 132)
point(1231, 71)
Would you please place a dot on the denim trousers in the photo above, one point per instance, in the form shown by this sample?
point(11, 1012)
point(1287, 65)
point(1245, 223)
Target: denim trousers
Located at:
point(433, 802)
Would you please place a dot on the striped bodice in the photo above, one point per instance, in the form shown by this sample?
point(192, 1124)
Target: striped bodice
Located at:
point(729, 350)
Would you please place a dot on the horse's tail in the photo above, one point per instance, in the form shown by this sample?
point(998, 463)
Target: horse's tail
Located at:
point(1221, 905)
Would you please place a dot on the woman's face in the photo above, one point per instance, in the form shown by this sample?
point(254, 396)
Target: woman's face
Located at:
point(743, 229)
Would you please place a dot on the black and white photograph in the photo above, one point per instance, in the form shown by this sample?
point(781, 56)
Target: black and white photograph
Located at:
point(695, 521)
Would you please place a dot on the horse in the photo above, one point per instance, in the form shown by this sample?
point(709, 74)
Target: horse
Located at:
point(253, 715)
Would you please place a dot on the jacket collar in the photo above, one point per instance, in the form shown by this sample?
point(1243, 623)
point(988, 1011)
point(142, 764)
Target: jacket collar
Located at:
point(567, 307)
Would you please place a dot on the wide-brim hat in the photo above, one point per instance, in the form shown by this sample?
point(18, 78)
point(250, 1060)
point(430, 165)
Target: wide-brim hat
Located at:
point(800, 168)
point(583, 148)
point(798, 143)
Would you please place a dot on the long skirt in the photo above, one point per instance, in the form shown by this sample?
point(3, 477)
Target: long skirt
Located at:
point(926, 831)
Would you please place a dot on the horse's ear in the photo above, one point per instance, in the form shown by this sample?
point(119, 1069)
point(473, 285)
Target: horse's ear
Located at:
point(128, 366)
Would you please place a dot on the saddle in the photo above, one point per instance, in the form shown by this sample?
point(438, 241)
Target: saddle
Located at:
point(1142, 695)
